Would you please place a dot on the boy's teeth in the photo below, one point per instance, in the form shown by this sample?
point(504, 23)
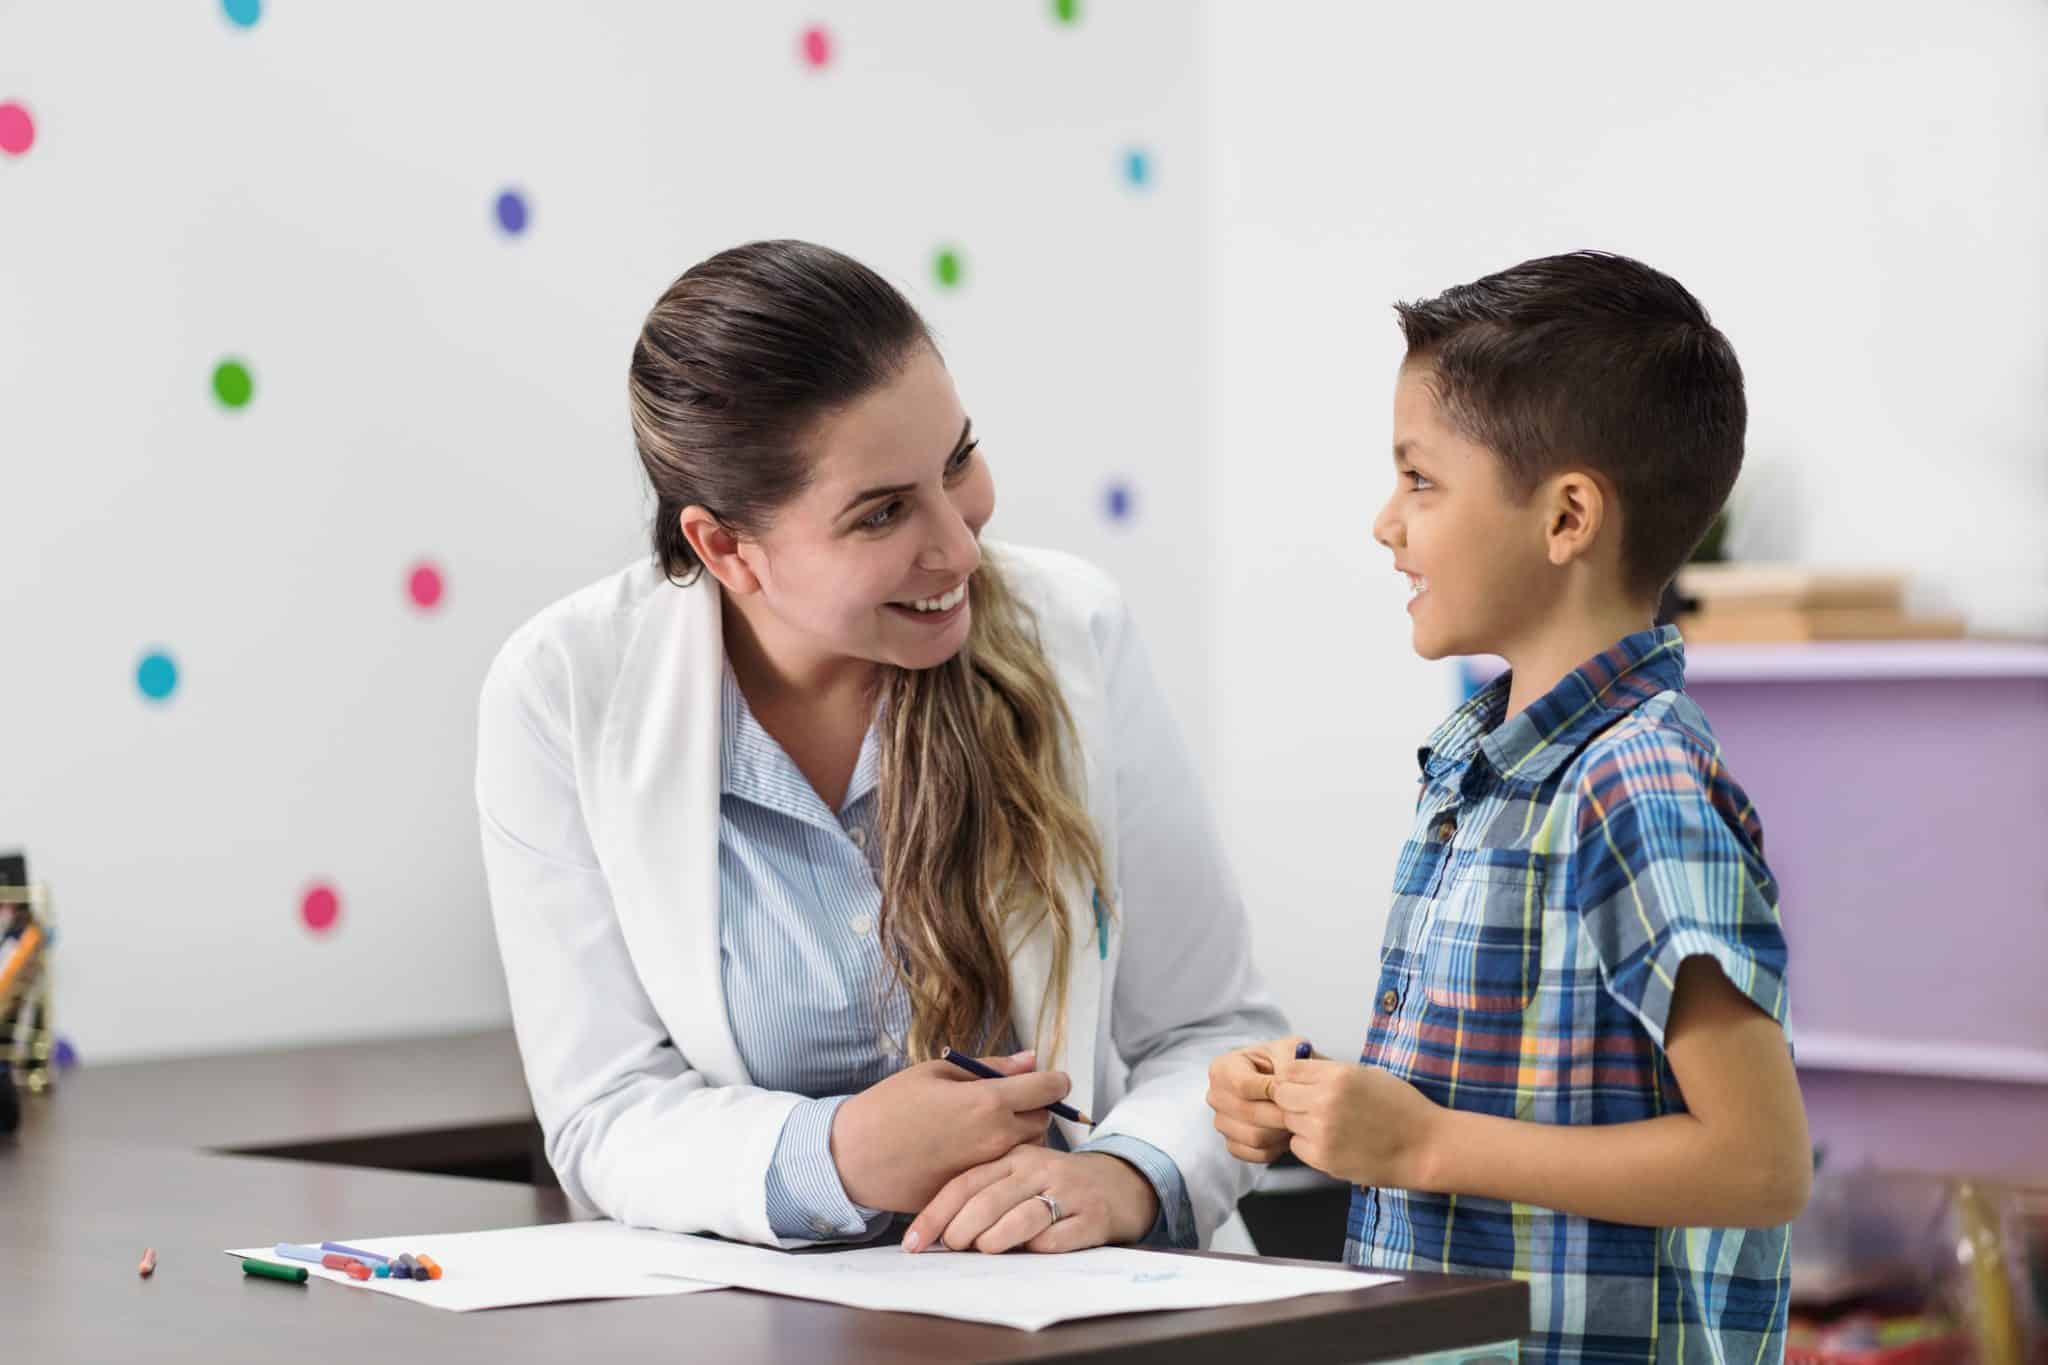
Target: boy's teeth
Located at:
point(1417, 584)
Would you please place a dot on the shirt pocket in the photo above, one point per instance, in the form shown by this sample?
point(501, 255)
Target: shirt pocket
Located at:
point(1484, 951)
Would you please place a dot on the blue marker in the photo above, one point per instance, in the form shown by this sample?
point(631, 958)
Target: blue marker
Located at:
point(293, 1251)
point(368, 1258)
point(989, 1073)
point(1304, 1050)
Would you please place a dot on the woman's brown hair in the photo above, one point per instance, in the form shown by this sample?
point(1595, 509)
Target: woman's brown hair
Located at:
point(980, 819)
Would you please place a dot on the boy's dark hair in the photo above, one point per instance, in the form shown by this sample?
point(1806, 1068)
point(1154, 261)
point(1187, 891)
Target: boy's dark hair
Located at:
point(1591, 360)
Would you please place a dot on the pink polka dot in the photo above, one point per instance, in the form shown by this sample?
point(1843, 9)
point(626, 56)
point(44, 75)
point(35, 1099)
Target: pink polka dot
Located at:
point(817, 46)
point(17, 129)
point(320, 908)
point(425, 586)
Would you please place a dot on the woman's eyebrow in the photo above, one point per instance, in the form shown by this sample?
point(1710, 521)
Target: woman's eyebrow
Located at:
point(891, 490)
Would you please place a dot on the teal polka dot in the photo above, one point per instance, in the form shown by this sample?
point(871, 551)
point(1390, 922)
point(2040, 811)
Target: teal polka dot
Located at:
point(243, 13)
point(157, 676)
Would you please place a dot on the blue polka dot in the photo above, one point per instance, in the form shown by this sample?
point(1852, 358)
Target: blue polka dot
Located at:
point(157, 676)
point(1117, 502)
point(65, 1055)
point(1138, 167)
point(243, 12)
point(512, 212)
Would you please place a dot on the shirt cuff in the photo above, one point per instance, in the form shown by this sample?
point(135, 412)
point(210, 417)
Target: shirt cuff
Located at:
point(1175, 1225)
point(806, 1199)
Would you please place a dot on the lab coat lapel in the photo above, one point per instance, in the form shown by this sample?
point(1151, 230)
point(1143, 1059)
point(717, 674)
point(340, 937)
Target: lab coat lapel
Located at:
point(660, 765)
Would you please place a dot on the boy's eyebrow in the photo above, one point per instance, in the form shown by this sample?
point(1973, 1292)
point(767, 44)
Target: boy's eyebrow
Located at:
point(869, 495)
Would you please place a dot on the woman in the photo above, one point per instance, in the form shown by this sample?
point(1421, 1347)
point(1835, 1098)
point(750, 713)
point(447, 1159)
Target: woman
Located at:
point(828, 786)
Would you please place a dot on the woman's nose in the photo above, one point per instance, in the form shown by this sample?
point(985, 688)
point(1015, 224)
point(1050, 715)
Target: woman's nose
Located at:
point(955, 547)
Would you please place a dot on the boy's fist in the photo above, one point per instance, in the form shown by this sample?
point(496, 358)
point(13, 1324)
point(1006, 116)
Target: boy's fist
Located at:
point(1358, 1123)
point(1240, 1091)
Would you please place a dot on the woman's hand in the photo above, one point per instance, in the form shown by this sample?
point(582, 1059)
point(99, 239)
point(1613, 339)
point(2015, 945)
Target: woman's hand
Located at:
point(995, 1207)
point(1241, 1092)
point(897, 1142)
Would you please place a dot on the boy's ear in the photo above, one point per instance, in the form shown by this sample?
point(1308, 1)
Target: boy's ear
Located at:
point(719, 550)
point(1576, 510)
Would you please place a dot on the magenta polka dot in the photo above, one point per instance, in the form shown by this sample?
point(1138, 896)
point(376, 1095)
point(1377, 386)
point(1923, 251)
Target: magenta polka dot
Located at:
point(817, 47)
point(425, 585)
point(17, 129)
point(320, 908)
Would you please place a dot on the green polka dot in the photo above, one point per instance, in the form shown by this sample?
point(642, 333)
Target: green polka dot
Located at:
point(1067, 11)
point(948, 268)
point(232, 384)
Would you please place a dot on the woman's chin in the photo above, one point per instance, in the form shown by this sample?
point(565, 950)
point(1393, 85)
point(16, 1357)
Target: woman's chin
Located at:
point(915, 644)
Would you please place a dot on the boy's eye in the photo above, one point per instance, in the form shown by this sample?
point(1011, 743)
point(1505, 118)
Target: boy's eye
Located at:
point(1417, 480)
point(882, 517)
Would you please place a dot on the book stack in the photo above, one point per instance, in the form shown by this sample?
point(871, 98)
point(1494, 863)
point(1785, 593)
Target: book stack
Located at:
point(1790, 603)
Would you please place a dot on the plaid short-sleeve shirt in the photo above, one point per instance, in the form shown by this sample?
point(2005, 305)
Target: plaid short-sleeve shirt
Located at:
point(1562, 865)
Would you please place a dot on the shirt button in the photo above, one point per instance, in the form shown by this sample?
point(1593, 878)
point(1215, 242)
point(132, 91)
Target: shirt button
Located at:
point(1390, 1001)
point(1445, 828)
point(859, 836)
point(860, 924)
point(821, 1227)
point(889, 1048)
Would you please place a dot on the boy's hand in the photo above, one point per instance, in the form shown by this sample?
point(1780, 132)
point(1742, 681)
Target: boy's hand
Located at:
point(1240, 1091)
point(1358, 1123)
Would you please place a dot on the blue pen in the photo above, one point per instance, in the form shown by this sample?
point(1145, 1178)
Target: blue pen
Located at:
point(368, 1258)
point(989, 1073)
point(293, 1251)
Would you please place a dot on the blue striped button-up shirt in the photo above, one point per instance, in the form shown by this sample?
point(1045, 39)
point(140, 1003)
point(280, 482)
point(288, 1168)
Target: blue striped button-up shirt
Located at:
point(813, 1006)
point(1563, 865)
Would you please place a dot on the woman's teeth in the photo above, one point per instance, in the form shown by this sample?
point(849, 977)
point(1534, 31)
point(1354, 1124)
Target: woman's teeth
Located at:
point(945, 601)
point(1417, 585)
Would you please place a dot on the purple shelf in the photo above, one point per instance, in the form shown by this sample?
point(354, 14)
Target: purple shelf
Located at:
point(1842, 661)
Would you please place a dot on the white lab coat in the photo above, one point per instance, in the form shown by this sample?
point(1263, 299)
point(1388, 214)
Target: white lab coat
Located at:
point(598, 785)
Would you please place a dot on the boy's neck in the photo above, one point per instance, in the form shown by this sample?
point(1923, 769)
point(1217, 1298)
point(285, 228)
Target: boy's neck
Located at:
point(1557, 647)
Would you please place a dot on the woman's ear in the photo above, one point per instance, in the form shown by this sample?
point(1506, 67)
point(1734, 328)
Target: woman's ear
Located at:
point(1576, 510)
point(718, 550)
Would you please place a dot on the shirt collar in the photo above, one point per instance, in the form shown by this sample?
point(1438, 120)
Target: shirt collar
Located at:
point(755, 768)
point(1533, 745)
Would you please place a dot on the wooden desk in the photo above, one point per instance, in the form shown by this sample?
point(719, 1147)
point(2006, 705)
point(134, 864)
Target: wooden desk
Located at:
point(107, 1166)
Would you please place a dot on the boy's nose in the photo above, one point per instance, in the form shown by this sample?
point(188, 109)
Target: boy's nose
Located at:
point(1386, 526)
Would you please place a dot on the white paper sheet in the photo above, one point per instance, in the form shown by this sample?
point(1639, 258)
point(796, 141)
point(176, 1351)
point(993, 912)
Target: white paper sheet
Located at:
point(548, 1264)
point(1018, 1290)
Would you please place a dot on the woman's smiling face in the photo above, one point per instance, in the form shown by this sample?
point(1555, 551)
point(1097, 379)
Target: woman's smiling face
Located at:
point(871, 560)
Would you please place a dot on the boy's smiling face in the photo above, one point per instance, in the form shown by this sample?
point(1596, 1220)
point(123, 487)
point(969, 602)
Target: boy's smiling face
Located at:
point(1475, 557)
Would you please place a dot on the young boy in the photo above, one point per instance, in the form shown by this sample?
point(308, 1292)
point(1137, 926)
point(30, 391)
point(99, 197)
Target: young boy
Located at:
point(1576, 1071)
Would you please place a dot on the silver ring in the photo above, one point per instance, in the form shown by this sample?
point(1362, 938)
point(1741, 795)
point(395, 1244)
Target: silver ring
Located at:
point(1051, 1204)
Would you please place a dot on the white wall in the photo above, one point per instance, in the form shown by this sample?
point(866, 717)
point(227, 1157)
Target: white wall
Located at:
point(1853, 190)
point(316, 194)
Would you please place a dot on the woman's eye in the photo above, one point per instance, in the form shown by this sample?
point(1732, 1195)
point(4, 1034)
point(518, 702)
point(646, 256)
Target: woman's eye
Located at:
point(882, 517)
point(963, 458)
